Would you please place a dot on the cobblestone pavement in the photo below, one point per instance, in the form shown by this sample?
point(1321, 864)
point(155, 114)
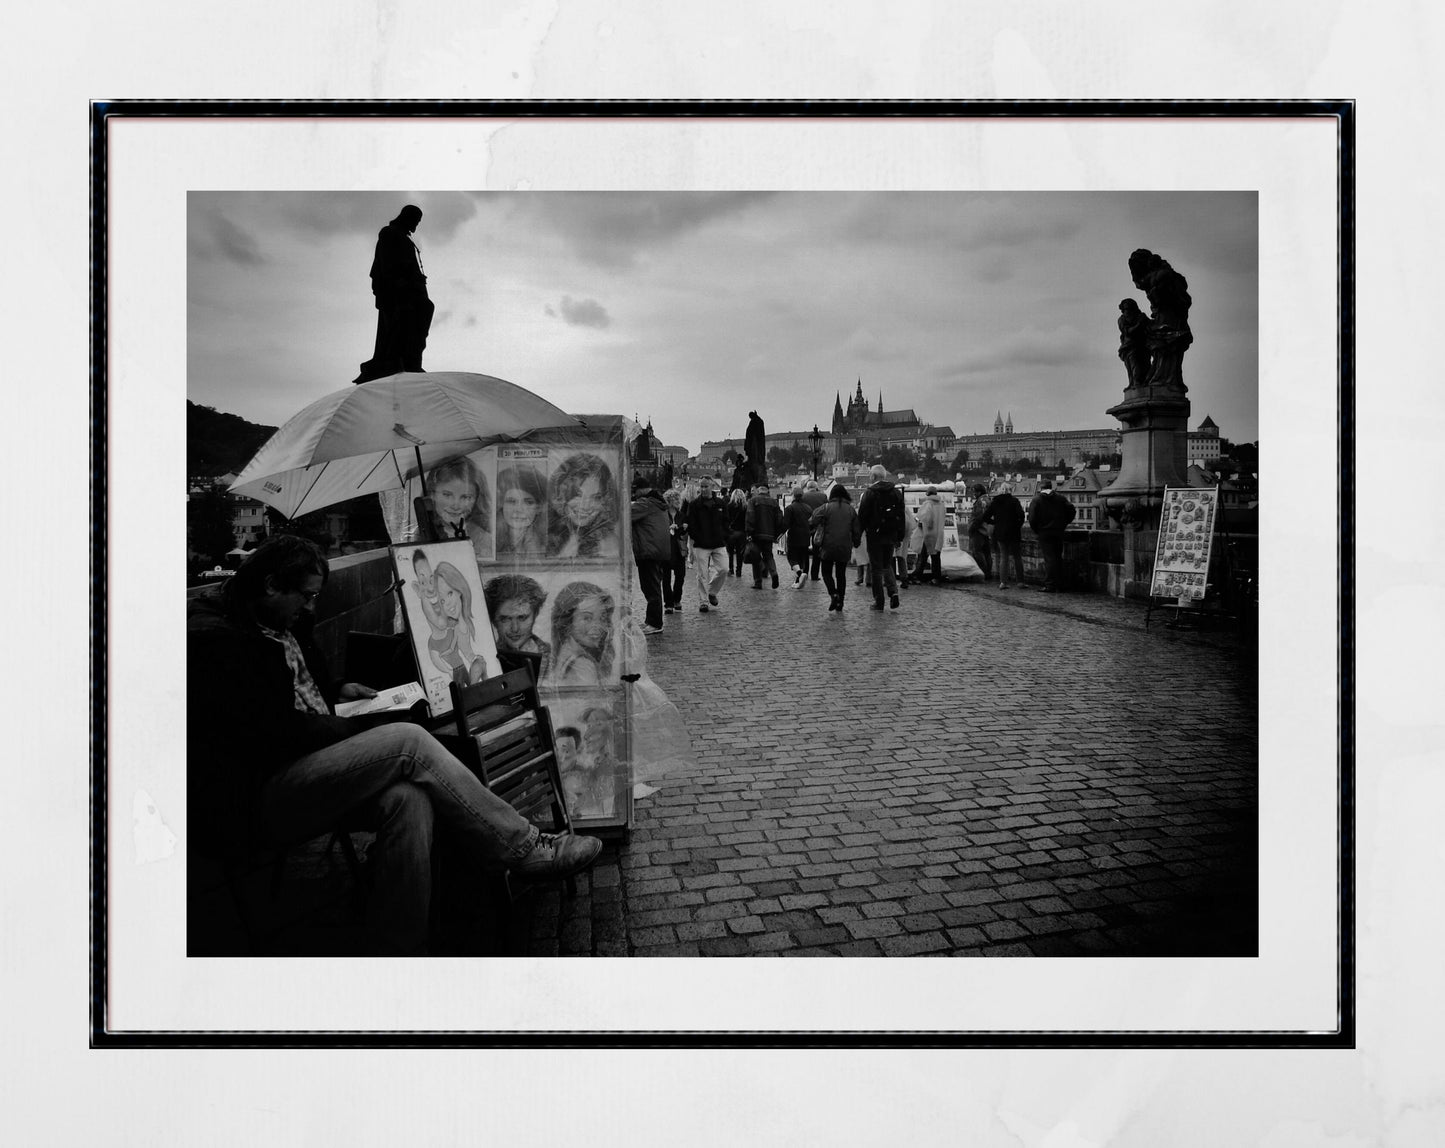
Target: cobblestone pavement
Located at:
point(979, 773)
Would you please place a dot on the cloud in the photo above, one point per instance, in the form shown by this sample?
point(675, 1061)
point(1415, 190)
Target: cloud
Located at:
point(580, 313)
point(612, 230)
point(216, 237)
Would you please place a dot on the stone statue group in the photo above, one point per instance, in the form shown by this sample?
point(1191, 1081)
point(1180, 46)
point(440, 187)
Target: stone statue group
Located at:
point(1152, 346)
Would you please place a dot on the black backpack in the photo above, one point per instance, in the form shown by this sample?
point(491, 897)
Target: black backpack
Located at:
point(888, 517)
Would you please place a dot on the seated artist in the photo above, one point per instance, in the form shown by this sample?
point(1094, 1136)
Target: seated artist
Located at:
point(268, 759)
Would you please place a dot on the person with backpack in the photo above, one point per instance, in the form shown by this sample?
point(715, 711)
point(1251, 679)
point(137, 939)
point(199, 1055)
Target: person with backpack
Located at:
point(836, 530)
point(881, 513)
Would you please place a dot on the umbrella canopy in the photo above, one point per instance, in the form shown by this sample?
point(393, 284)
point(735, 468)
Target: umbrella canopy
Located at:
point(375, 436)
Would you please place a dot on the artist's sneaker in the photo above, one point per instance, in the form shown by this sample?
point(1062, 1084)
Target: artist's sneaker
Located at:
point(558, 855)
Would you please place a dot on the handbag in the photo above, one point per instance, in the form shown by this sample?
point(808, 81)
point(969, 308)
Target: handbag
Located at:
point(818, 532)
point(750, 551)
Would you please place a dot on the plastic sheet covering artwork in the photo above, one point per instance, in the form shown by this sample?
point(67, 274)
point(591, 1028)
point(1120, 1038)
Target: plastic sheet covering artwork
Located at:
point(550, 533)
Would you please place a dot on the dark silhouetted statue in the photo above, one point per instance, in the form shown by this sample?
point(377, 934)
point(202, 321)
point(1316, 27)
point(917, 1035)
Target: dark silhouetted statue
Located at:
point(755, 443)
point(1134, 342)
point(1169, 335)
point(403, 308)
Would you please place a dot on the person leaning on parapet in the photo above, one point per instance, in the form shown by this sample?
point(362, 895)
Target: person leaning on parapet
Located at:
point(404, 310)
point(930, 519)
point(762, 526)
point(815, 497)
point(799, 536)
point(978, 541)
point(1049, 516)
point(1005, 514)
point(708, 532)
point(651, 548)
point(884, 517)
point(296, 769)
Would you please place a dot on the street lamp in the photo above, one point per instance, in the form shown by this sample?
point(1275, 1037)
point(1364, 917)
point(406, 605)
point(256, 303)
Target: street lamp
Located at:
point(817, 438)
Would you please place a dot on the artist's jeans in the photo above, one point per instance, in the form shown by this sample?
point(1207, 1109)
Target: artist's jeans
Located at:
point(712, 569)
point(880, 567)
point(398, 780)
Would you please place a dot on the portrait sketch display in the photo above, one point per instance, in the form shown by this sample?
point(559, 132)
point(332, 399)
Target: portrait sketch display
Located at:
point(590, 731)
point(584, 503)
point(571, 619)
point(521, 515)
point(446, 616)
point(460, 494)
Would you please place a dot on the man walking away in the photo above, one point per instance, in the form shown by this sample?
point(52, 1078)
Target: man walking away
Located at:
point(881, 513)
point(978, 543)
point(841, 531)
point(764, 524)
point(1049, 515)
point(651, 547)
point(930, 518)
point(799, 536)
point(709, 535)
point(1005, 514)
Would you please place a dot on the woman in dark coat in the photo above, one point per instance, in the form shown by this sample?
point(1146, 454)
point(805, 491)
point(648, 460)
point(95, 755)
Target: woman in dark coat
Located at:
point(735, 515)
point(841, 532)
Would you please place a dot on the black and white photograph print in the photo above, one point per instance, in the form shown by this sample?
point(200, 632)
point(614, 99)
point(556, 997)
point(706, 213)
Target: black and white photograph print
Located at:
point(590, 739)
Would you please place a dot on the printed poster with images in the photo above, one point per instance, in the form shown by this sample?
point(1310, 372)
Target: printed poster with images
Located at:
point(1186, 537)
point(446, 616)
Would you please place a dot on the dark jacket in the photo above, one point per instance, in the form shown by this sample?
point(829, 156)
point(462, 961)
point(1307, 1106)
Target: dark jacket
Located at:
point(1050, 513)
point(842, 528)
point(242, 724)
point(1006, 515)
point(976, 512)
point(735, 515)
point(764, 519)
point(869, 505)
point(651, 538)
point(705, 524)
point(795, 524)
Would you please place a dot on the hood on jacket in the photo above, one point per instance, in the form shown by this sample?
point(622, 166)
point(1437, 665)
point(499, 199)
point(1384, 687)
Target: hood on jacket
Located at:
point(882, 484)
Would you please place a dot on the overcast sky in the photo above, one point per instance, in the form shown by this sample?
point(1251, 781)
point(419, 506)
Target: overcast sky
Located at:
point(692, 308)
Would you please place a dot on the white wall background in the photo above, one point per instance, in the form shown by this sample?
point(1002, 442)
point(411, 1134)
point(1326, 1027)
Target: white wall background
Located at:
point(1389, 1091)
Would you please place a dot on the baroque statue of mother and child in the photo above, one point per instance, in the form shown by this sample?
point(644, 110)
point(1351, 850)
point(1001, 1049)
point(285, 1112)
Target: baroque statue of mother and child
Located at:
point(1152, 346)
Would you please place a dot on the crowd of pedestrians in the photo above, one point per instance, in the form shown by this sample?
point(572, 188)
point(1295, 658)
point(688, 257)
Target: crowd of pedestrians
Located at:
point(820, 532)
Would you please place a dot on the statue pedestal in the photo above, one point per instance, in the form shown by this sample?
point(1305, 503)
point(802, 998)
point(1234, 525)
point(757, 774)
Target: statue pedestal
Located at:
point(1155, 436)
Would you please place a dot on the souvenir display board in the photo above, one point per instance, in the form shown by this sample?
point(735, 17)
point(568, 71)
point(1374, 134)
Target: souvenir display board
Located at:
point(549, 531)
point(1186, 538)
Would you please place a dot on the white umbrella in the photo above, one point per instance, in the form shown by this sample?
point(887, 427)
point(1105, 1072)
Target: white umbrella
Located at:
point(375, 436)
